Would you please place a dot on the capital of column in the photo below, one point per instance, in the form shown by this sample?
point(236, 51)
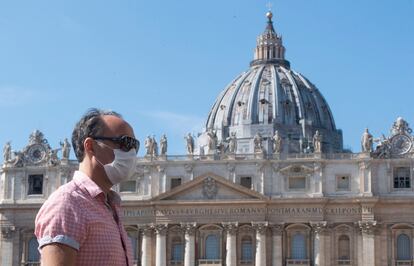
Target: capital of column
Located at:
point(146, 229)
point(230, 227)
point(367, 227)
point(161, 229)
point(7, 231)
point(318, 227)
point(260, 227)
point(189, 228)
point(277, 229)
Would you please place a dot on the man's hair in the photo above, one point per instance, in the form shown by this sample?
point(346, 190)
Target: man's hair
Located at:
point(90, 125)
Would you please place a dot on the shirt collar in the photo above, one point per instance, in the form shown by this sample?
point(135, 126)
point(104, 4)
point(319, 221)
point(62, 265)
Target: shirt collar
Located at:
point(86, 183)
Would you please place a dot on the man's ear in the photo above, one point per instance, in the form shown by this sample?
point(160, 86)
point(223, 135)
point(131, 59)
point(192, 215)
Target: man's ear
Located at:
point(88, 146)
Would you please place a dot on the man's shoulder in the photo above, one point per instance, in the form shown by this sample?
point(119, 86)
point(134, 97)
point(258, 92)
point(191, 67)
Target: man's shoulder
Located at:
point(67, 193)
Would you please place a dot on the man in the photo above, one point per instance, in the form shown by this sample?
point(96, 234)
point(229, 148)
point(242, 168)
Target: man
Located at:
point(80, 223)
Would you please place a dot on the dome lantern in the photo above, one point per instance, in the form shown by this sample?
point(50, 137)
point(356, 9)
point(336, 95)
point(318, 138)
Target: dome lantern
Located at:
point(269, 46)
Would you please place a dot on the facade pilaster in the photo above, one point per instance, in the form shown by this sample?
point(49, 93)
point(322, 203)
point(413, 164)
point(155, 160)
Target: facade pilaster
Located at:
point(162, 178)
point(231, 244)
point(146, 257)
point(366, 181)
point(8, 233)
point(277, 245)
point(318, 247)
point(261, 228)
point(189, 254)
point(161, 247)
point(368, 242)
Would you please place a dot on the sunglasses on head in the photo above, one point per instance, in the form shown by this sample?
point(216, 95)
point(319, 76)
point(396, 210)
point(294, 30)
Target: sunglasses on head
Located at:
point(126, 143)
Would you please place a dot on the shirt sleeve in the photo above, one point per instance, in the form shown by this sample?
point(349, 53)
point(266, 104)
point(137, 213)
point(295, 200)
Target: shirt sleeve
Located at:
point(61, 220)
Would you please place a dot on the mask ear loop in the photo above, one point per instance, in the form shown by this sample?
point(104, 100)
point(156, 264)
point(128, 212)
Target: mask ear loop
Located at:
point(96, 158)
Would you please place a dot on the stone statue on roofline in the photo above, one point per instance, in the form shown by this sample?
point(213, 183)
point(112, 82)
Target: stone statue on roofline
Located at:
point(366, 141)
point(232, 143)
point(277, 142)
point(317, 142)
point(149, 146)
point(163, 145)
point(189, 144)
point(154, 149)
point(258, 145)
point(7, 154)
point(212, 140)
point(65, 149)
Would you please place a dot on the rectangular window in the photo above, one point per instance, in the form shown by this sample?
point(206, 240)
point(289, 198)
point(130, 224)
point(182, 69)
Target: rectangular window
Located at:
point(35, 185)
point(175, 182)
point(128, 186)
point(297, 183)
point(246, 181)
point(402, 177)
point(342, 182)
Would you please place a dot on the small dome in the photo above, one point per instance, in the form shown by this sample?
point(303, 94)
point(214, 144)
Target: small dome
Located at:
point(270, 96)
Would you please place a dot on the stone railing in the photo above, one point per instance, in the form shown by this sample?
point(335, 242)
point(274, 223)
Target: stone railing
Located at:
point(208, 262)
point(344, 262)
point(246, 262)
point(404, 263)
point(30, 263)
point(330, 156)
point(295, 262)
point(176, 262)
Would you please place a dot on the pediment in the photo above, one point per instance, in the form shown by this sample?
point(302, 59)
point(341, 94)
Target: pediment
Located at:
point(210, 187)
point(297, 170)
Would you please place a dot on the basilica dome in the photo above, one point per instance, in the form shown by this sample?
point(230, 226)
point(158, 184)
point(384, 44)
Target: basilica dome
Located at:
point(270, 97)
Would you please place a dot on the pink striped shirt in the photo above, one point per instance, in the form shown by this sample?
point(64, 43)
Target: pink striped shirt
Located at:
point(79, 215)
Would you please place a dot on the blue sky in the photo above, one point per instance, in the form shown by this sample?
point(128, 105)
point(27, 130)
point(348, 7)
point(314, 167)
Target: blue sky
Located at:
point(162, 63)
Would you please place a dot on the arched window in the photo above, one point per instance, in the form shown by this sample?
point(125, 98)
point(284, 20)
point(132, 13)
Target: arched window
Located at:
point(177, 250)
point(344, 248)
point(298, 246)
point(212, 247)
point(33, 254)
point(403, 247)
point(246, 249)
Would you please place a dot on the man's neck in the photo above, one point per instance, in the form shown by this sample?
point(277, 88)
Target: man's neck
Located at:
point(97, 176)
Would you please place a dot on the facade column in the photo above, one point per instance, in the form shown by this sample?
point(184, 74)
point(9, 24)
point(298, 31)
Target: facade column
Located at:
point(231, 243)
point(146, 258)
point(261, 228)
point(161, 247)
point(277, 245)
point(368, 242)
point(189, 255)
point(318, 248)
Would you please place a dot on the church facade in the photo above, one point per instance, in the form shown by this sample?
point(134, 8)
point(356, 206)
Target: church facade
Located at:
point(268, 184)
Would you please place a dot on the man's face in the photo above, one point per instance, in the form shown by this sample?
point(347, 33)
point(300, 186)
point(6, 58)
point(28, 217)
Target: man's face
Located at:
point(114, 127)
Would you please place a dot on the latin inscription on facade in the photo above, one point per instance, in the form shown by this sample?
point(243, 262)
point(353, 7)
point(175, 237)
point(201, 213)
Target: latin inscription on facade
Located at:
point(272, 211)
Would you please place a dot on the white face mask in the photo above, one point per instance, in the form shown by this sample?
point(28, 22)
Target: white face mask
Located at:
point(122, 167)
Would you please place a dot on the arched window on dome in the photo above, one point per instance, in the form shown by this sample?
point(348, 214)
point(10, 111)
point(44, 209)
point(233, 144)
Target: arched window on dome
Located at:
point(246, 250)
point(403, 247)
point(344, 248)
point(212, 247)
point(33, 252)
point(298, 247)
